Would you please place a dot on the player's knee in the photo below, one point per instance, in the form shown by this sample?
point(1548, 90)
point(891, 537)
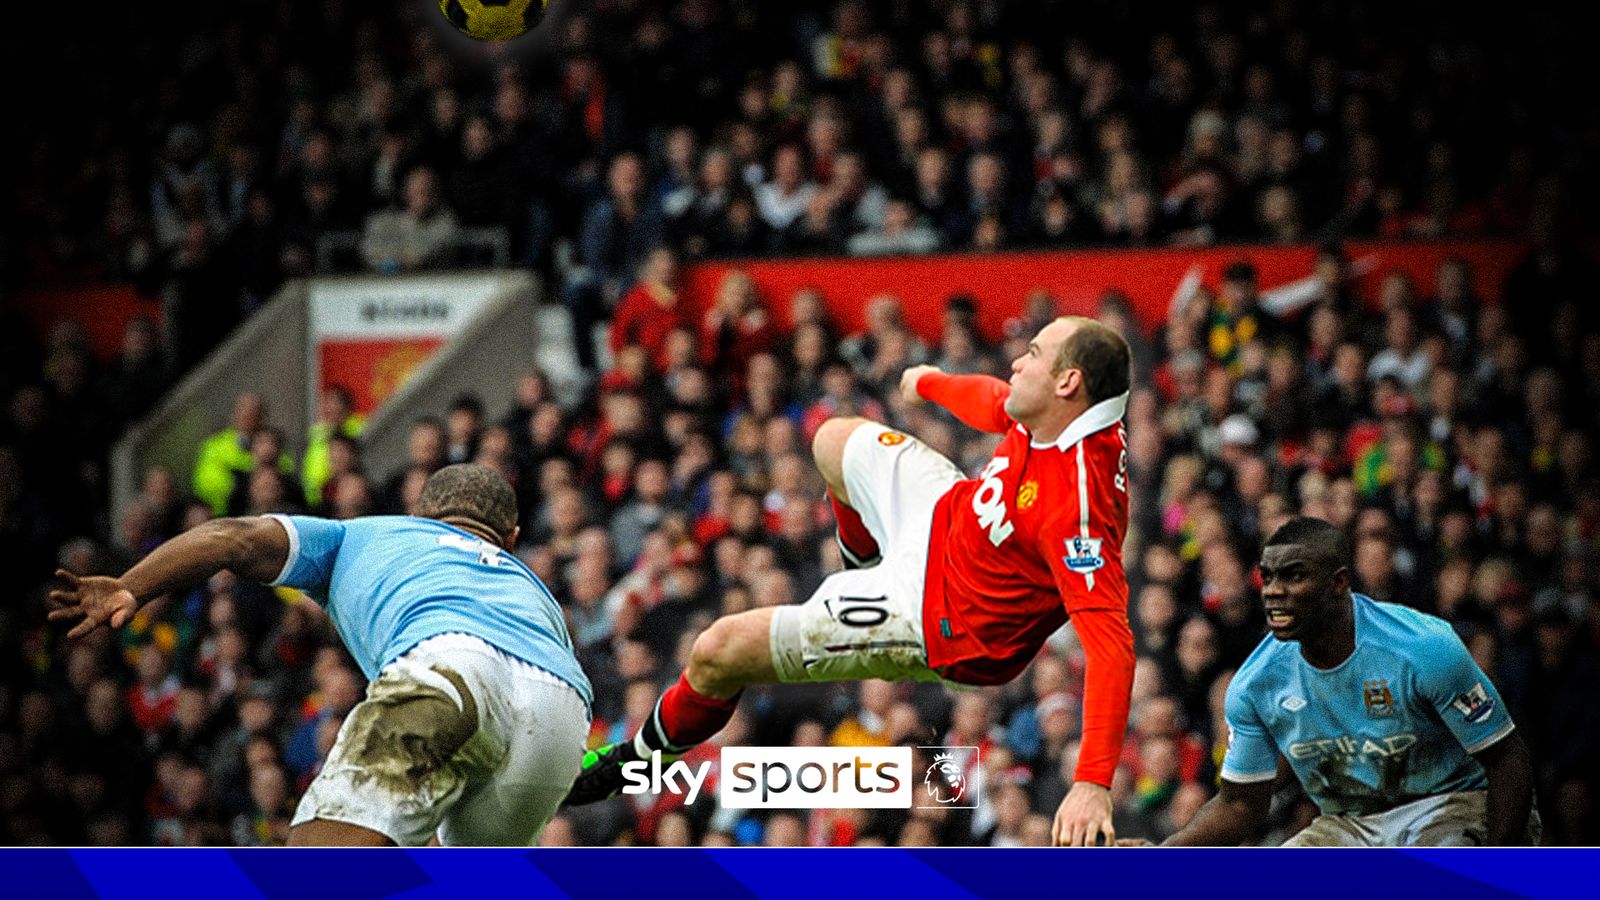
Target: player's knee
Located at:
point(714, 658)
point(827, 447)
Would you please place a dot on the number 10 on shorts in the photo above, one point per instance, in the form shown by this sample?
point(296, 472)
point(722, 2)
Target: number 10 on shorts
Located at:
point(859, 612)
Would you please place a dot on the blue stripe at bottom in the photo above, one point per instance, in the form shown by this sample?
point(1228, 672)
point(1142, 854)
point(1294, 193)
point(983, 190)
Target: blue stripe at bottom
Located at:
point(924, 874)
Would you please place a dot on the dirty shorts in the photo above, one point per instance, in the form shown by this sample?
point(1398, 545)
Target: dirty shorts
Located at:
point(1445, 820)
point(458, 738)
point(867, 623)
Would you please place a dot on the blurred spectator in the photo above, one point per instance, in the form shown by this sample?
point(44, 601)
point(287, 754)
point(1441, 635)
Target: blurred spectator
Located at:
point(224, 456)
point(477, 182)
point(266, 823)
point(153, 698)
point(336, 415)
point(652, 309)
point(463, 428)
point(420, 234)
point(199, 303)
point(137, 378)
point(425, 453)
point(267, 486)
point(788, 194)
point(736, 328)
point(619, 232)
point(900, 233)
point(870, 726)
point(339, 689)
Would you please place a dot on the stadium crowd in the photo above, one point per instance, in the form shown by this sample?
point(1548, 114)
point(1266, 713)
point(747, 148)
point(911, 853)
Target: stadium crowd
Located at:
point(1451, 435)
point(221, 158)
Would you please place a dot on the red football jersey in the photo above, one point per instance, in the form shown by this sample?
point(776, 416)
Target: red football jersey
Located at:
point(1035, 537)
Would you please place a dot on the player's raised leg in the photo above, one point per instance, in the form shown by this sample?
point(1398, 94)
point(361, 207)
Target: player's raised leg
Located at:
point(733, 653)
point(858, 624)
point(857, 545)
point(827, 448)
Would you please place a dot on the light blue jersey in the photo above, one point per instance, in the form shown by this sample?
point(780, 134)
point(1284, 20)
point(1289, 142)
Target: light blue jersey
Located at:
point(391, 582)
point(1396, 722)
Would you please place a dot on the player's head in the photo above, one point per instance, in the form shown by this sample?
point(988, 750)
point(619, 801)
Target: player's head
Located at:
point(1072, 360)
point(1305, 576)
point(475, 493)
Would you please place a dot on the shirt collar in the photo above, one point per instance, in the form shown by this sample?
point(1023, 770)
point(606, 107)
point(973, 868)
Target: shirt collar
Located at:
point(1100, 416)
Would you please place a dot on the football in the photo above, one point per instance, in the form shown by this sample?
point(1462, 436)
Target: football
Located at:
point(493, 20)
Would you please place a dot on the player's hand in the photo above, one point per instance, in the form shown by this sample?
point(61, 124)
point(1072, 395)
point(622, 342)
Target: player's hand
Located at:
point(908, 383)
point(94, 599)
point(1084, 817)
point(1133, 842)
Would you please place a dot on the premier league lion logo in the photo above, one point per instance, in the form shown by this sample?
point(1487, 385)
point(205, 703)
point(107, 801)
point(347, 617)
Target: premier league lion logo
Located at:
point(944, 780)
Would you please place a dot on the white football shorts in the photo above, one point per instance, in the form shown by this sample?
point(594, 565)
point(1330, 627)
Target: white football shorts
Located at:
point(867, 623)
point(458, 738)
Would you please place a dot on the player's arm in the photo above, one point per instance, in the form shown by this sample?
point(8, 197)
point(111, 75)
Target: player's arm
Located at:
point(255, 548)
point(1469, 706)
point(1510, 771)
point(1094, 593)
point(1107, 641)
point(1251, 771)
point(1235, 815)
point(979, 401)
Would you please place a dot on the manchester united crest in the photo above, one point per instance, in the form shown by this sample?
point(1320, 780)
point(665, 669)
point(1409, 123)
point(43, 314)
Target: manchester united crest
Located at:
point(891, 438)
point(1027, 494)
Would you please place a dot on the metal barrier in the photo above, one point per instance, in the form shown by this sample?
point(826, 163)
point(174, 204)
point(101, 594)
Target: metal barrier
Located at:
point(493, 245)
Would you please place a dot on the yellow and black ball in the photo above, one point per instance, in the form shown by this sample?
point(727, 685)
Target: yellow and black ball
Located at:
point(493, 20)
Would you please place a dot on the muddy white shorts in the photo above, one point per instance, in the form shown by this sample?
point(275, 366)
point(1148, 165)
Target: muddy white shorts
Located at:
point(458, 738)
point(1447, 820)
point(867, 623)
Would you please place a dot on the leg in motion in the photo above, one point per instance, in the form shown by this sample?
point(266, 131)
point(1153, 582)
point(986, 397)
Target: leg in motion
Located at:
point(856, 543)
point(733, 653)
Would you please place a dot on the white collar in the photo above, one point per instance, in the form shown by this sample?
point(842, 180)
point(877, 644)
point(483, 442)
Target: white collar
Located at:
point(1100, 416)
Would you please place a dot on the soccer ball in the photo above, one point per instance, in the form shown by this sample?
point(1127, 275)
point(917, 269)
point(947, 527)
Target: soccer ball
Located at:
point(493, 20)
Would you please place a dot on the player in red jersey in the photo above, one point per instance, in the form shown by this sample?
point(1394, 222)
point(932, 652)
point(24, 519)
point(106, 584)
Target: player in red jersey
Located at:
point(973, 574)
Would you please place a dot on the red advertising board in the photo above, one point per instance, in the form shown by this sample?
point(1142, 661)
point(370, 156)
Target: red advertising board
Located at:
point(373, 370)
point(1001, 282)
point(103, 310)
point(368, 335)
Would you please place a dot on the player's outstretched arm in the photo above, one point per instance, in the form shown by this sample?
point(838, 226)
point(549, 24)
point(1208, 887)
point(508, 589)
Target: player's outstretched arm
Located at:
point(1510, 771)
point(1235, 815)
point(1107, 639)
point(254, 548)
point(979, 401)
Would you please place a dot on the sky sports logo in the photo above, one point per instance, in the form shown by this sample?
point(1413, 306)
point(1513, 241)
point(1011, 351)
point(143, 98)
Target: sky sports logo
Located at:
point(818, 777)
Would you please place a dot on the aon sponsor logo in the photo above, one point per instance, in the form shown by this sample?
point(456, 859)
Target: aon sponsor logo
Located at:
point(989, 502)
